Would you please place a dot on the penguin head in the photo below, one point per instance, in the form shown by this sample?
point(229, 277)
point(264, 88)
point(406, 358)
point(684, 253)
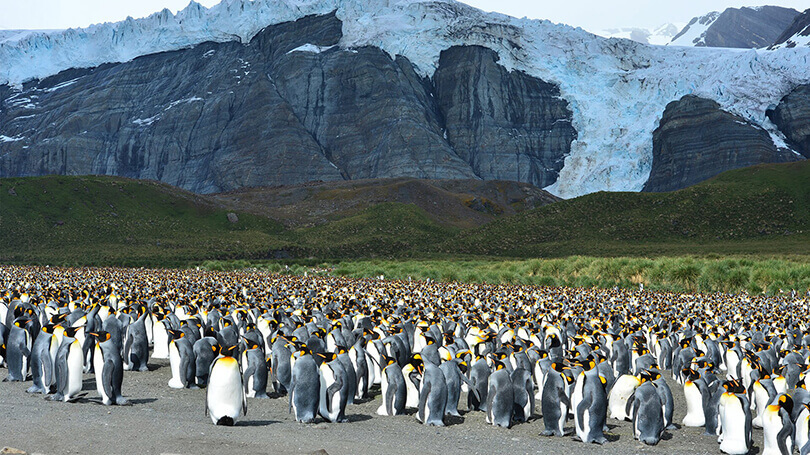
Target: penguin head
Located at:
point(71, 332)
point(497, 364)
point(429, 339)
point(588, 363)
point(227, 351)
point(690, 374)
point(386, 360)
point(645, 376)
point(462, 366)
point(340, 349)
point(250, 344)
point(786, 402)
point(327, 356)
point(101, 336)
point(58, 317)
point(417, 363)
point(176, 334)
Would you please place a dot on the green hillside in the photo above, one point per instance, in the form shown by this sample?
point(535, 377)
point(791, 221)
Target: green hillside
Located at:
point(757, 210)
point(108, 220)
point(93, 220)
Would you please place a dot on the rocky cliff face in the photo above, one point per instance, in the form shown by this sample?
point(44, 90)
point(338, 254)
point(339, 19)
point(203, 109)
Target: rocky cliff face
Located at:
point(507, 126)
point(792, 116)
point(697, 140)
point(797, 34)
point(288, 108)
point(743, 28)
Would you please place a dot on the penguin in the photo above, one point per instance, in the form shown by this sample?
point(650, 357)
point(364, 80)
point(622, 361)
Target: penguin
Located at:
point(136, 344)
point(280, 364)
point(735, 421)
point(108, 369)
point(357, 354)
point(206, 349)
point(432, 394)
point(555, 402)
point(348, 369)
point(334, 390)
point(392, 387)
point(777, 427)
point(225, 400)
point(181, 359)
point(68, 367)
point(695, 416)
point(18, 350)
point(667, 400)
point(479, 383)
point(523, 394)
point(305, 388)
point(500, 396)
point(453, 378)
point(255, 366)
point(41, 364)
point(647, 411)
point(589, 402)
point(160, 339)
point(411, 375)
point(622, 390)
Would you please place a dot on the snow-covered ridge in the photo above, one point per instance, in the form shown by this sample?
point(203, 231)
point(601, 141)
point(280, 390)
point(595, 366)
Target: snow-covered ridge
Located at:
point(695, 31)
point(618, 89)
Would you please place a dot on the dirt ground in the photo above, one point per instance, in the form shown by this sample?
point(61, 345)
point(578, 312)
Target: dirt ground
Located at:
point(162, 420)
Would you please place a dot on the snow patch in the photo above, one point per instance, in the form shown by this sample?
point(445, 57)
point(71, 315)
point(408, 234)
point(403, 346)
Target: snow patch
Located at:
point(146, 121)
point(313, 48)
point(183, 101)
point(60, 85)
point(10, 139)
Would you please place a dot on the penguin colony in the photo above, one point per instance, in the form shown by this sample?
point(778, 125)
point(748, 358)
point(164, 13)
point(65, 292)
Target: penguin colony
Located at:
point(561, 355)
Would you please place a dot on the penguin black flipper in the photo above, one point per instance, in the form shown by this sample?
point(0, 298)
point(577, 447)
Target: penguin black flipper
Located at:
point(61, 376)
point(251, 370)
point(785, 433)
point(107, 379)
point(628, 407)
point(331, 391)
point(423, 396)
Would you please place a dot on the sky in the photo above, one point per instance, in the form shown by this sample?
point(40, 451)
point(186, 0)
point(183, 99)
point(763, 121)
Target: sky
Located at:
point(592, 15)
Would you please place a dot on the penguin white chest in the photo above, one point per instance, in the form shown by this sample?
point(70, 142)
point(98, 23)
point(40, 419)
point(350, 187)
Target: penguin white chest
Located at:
point(98, 367)
point(224, 392)
point(75, 361)
point(174, 361)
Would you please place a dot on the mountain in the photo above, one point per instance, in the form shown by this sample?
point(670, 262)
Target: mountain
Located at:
point(743, 28)
point(659, 36)
point(267, 92)
point(797, 34)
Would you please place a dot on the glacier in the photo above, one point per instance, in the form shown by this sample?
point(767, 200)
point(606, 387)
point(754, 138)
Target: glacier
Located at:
point(617, 89)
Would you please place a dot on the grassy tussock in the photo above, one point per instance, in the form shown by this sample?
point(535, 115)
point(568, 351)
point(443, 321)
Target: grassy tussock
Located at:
point(680, 274)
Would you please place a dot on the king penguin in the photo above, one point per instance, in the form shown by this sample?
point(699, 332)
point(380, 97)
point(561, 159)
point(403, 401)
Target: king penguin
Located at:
point(225, 400)
point(432, 395)
point(589, 402)
point(41, 363)
point(392, 385)
point(305, 390)
point(500, 396)
point(181, 359)
point(255, 365)
point(334, 390)
point(555, 402)
point(777, 427)
point(647, 411)
point(69, 367)
point(109, 369)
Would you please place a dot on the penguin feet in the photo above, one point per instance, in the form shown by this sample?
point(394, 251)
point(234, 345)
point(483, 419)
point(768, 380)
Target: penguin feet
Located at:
point(55, 397)
point(35, 389)
point(225, 421)
point(600, 440)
